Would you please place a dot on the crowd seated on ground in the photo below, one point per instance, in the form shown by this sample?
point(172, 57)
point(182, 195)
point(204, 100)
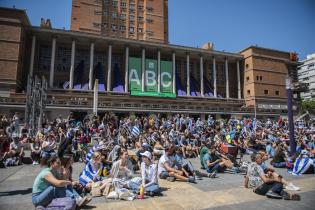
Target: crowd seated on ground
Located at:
point(122, 156)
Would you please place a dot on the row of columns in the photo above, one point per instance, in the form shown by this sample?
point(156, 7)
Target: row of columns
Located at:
point(109, 70)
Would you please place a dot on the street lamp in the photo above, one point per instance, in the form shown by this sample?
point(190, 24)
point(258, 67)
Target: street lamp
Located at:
point(289, 86)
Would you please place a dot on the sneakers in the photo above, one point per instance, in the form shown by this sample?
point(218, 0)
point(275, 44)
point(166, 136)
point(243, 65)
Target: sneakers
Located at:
point(170, 179)
point(83, 201)
point(288, 196)
point(212, 175)
point(292, 187)
point(271, 194)
point(191, 180)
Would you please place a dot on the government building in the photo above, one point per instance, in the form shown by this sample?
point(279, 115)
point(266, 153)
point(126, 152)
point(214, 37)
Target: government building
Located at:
point(121, 47)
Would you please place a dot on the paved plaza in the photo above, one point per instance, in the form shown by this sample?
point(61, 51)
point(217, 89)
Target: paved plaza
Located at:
point(225, 192)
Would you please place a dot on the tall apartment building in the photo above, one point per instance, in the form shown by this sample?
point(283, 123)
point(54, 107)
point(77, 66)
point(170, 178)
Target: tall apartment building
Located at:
point(13, 42)
point(134, 19)
point(306, 75)
point(265, 71)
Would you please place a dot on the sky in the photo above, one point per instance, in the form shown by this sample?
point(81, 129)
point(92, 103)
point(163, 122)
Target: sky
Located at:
point(232, 25)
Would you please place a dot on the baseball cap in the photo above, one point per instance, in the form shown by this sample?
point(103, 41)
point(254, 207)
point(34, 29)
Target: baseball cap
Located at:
point(304, 152)
point(147, 154)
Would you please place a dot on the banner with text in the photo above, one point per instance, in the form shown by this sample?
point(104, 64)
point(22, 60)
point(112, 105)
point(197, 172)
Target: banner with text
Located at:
point(135, 74)
point(151, 78)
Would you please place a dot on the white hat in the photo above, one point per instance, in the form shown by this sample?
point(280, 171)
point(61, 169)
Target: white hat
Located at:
point(147, 154)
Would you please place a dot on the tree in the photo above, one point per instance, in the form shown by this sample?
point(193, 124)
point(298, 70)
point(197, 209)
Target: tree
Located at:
point(309, 106)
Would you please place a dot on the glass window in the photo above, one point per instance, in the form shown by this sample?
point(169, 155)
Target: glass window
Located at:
point(277, 92)
point(122, 28)
point(131, 17)
point(140, 19)
point(266, 92)
point(248, 92)
point(131, 29)
point(122, 16)
point(115, 3)
point(132, 6)
point(123, 4)
point(114, 15)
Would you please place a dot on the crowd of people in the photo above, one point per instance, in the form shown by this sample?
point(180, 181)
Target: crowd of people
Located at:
point(127, 156)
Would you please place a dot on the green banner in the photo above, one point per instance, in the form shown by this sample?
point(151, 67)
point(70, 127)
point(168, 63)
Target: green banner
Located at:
point(166, 77)
point(150, 77)
point(135, 74)
point(153, 94)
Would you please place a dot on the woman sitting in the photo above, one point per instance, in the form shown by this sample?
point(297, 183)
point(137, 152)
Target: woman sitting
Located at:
point(35, 151)
point(122, 170)
point(92, 171)
point(46, 186)
point(66, 174)
point(149, 179)
point(48, 147)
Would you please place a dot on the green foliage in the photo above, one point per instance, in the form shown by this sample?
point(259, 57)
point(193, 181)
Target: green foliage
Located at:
point(308, 105)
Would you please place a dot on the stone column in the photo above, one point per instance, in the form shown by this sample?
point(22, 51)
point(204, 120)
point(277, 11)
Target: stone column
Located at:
point(142, 69)
point(174, 72)
point(214, 78)
point(227, 78)
point(188, 75)
point(109, 68)
point(72, 64)
point(201, 78)
point(238, 80)
point(91, 66)
point(32, 56)
point(159, 70)
point(52, 63)
point(126, 69)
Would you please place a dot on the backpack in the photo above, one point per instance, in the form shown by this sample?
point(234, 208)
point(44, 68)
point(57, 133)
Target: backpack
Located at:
point(65, 203)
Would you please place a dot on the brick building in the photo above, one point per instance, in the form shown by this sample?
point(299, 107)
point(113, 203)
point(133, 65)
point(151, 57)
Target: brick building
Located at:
point(202, 81)
point(265, 71)
point(134, 19)
point(13, 41)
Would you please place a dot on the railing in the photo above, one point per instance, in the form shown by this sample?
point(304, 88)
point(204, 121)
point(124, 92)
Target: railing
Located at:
point(120, 104)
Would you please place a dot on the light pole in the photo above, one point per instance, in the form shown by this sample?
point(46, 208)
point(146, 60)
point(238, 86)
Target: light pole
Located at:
point(288, 86)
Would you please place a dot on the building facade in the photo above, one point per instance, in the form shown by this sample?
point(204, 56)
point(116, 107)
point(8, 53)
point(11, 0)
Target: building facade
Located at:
point(134, 19)
point(133, 75)
point(265, 72)
point(306, 75)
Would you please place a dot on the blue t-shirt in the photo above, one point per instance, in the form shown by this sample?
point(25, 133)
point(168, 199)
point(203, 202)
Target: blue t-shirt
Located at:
point(208, 157)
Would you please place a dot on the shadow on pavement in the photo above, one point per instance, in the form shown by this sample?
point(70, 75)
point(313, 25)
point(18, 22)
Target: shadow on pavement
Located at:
point(16, 192)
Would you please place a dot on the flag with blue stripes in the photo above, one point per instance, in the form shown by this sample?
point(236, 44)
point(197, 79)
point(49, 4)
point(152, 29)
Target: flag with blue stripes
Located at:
point(89, 173)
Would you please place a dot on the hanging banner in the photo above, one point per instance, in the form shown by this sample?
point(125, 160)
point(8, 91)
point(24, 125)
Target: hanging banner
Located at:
point(166, 77)
point(150, 76)
point(135, 74)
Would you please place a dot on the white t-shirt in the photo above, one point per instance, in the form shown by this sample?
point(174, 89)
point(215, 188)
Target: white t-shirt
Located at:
point(149, 173)
point(164, 158)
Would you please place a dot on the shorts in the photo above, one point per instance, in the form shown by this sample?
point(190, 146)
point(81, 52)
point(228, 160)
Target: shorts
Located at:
point(164, 175)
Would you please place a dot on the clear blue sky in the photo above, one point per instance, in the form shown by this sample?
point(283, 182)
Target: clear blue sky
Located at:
point(232, 25)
